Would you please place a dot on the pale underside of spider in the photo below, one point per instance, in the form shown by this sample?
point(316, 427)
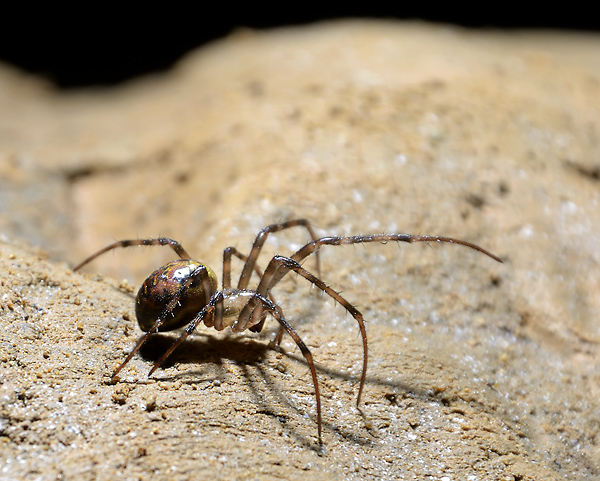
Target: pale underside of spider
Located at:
point(185, 292)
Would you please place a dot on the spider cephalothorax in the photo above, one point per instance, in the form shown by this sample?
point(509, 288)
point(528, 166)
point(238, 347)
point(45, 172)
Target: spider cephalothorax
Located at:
point(185, 292)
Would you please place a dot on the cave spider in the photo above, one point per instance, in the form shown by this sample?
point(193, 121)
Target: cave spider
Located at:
point(184, 292)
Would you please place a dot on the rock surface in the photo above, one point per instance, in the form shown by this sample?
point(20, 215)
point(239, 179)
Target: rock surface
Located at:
point(477, 370)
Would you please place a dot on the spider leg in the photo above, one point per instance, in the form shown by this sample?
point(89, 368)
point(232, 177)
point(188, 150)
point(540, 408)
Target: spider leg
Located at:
point(280, 266)
point(168, 310)
point(260, 241)
point(159, 241)
point(275, 311)
point(227, 253)
point(214, 310)
point(315, 245)
point(284, 264)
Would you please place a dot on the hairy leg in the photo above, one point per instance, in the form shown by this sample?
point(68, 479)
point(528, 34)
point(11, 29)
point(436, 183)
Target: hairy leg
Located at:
point(281, 264)
point(159, 241)
point(260, 241)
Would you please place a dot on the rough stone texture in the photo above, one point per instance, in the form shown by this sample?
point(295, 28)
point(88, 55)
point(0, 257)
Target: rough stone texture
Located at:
point(478, 370)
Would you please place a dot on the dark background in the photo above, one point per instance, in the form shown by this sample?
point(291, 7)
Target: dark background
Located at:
point(110, 42)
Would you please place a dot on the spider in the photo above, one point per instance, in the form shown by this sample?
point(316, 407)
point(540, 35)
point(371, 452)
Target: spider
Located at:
point(184, 292)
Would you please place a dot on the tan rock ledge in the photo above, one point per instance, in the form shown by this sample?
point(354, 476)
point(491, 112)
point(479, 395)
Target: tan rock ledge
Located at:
point(477, 371)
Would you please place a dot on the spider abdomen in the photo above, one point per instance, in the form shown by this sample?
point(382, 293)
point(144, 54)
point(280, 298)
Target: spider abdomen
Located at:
point(163, 285)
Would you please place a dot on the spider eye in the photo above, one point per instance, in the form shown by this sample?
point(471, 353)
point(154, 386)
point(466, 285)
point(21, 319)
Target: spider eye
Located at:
point(160, 288)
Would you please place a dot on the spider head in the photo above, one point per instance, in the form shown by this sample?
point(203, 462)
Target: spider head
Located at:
point(159, 289)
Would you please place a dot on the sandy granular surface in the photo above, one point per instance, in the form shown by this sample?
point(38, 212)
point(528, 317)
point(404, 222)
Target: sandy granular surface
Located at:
point(477, 371)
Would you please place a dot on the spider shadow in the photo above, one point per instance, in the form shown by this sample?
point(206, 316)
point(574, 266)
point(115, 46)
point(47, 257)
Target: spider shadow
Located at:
point(251, 357)
point(398, 390)
point(201, 348)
